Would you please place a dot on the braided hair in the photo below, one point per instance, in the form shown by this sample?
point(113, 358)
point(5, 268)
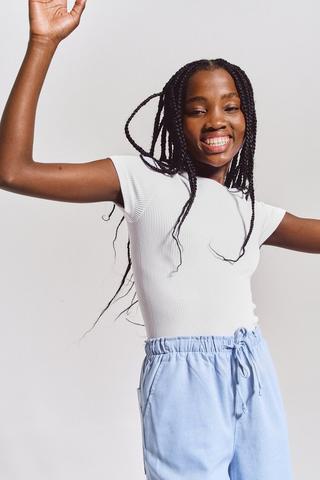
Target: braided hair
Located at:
point(175, 157)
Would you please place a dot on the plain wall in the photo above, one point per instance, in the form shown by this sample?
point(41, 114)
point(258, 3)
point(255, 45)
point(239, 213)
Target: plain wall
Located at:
point(68, 409)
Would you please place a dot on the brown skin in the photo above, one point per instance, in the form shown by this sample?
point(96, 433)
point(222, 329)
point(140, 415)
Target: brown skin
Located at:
point(214, 113)
point(94, 181)
point(97, 180)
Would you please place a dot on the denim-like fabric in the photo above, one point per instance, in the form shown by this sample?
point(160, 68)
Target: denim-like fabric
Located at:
point(211, 409)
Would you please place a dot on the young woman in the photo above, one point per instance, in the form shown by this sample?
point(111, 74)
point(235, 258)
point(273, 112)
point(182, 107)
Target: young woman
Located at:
point(208, 393)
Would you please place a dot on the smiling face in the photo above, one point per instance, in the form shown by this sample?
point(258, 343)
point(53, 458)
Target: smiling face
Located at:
point(213, 123)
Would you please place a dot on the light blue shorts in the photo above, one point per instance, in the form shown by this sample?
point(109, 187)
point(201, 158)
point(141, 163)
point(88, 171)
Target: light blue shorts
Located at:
point(211, 409)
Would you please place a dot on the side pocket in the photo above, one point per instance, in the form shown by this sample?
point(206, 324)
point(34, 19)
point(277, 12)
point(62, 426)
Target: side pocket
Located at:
point(150, 381)
point(142, 428)
point(149, 377)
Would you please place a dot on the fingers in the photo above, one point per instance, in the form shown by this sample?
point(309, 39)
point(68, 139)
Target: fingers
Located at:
point(78, 8)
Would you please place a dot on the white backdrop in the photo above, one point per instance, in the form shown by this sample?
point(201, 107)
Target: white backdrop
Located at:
point(68, 409)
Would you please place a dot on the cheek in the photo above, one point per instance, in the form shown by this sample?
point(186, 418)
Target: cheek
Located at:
point(242, 124)
point(188, 132)
point(241, 132)
point(241, 128)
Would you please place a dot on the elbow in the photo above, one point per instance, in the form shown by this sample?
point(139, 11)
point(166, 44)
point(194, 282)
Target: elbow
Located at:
point(9, 175)
point(5, 179)
point(12, 166)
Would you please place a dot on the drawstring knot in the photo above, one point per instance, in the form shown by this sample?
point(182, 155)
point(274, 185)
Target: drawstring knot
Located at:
point(241, 345)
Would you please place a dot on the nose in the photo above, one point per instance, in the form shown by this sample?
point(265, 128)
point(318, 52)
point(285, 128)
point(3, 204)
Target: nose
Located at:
point(215, 120)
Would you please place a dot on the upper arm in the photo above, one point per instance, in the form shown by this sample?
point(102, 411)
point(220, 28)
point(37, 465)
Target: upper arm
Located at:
point(296, 233)
point(93, 181)
point(275, 237)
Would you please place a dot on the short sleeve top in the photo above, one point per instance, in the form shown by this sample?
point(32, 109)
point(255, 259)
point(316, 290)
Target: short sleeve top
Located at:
point(207, 295)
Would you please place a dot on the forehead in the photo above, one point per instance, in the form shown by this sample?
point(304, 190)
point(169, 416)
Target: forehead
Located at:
point(210, 83)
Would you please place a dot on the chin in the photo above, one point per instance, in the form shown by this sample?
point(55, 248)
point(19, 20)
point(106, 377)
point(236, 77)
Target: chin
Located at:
point(217, 160)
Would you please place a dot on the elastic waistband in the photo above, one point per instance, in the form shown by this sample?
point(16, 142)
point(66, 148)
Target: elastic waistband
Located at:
point(201, 343)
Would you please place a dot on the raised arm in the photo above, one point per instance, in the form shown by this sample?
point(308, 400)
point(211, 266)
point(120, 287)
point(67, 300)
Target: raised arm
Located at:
point(50, 23)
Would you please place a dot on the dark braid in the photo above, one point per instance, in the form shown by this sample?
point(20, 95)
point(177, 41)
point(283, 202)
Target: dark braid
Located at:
point(174, 156)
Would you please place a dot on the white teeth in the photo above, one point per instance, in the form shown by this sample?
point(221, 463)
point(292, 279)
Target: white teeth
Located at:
point(217, 141)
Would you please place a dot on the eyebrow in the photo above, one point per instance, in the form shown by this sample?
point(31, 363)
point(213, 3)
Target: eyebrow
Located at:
point(225, 95)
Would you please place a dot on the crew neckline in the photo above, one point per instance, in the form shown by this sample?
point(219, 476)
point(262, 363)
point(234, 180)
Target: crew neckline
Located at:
point(212, 180)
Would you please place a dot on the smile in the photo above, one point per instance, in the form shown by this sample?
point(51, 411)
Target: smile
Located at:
point(217, 140)
point(216, 144)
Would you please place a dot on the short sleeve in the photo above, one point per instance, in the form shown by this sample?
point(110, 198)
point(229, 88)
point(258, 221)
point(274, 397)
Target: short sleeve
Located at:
point(136, 183)
point(269, 217)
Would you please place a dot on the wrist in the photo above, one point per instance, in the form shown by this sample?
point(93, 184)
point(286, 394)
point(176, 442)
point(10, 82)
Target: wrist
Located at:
point(42, 42)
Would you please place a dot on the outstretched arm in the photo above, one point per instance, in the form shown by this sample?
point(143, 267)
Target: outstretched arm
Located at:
point(296, 233)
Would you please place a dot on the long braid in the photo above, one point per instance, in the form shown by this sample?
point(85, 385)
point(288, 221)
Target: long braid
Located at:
point(174, 156)
point(244, 178)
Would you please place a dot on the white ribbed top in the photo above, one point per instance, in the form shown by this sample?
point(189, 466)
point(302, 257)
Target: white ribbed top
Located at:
point(207, 296)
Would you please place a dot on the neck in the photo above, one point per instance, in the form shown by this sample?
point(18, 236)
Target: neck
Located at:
point(210, 171)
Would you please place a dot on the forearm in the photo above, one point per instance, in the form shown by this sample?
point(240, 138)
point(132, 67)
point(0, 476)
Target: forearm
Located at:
point(18, 118)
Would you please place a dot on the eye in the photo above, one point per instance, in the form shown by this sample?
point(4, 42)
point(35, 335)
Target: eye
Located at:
point(196, 112)
point(232, 108)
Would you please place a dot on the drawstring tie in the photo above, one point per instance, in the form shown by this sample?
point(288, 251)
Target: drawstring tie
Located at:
point(239, 343)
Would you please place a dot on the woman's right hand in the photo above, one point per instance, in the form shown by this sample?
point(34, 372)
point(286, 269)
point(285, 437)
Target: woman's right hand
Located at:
point(50, 20)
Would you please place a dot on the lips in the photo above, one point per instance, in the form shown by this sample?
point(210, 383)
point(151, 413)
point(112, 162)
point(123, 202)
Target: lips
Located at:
point(216, 144)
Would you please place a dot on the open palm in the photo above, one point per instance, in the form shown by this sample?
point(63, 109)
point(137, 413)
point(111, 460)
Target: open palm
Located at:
point(51, 19)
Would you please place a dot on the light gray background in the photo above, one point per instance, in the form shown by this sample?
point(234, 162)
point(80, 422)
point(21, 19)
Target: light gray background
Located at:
point(69, 410)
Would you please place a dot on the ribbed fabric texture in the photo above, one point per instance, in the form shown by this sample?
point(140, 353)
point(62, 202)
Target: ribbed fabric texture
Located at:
point(207, 295)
